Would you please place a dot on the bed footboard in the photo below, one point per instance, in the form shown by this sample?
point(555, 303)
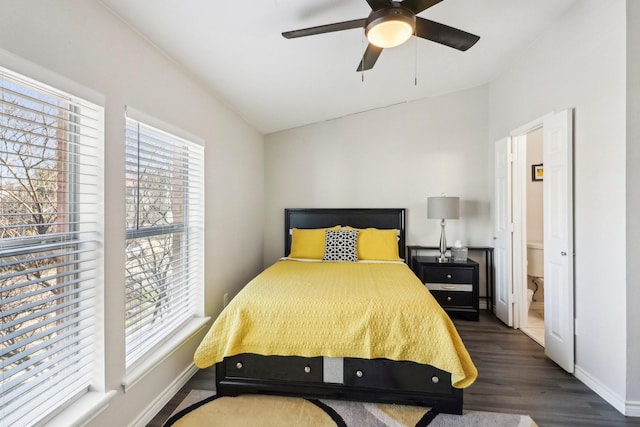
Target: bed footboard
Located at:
point(379, 380)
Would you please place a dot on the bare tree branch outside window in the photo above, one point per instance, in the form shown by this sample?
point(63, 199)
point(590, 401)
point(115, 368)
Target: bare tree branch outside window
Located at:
point(155, 232)
point(32, 204)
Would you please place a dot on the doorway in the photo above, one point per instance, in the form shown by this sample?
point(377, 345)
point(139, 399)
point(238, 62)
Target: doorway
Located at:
point(531, 312)
point(512, 173)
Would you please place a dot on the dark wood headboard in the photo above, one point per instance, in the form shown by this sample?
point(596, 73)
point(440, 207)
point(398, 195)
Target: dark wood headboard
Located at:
point(385, 218)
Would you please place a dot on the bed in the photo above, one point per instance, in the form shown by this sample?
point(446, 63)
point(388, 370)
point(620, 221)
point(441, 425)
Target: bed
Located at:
point(366, 330)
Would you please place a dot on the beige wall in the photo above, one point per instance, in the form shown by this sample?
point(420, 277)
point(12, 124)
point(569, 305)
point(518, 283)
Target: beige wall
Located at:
point(391, 157)
point(535, 228)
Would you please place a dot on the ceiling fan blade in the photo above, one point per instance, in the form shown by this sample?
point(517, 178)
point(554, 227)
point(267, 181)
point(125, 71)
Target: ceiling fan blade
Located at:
point(444, 34)
point(329, 28)
point(380, 4)
point(370, 57)
point(417, 6)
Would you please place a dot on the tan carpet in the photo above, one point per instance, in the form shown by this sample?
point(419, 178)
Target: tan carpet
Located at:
point(202, 408)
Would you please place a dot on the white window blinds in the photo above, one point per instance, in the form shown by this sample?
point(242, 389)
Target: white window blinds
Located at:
point(51, 182)
point(165, 236)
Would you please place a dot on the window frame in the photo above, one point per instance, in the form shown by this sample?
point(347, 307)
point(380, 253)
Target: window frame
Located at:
point(79, 244)
point(161, 349)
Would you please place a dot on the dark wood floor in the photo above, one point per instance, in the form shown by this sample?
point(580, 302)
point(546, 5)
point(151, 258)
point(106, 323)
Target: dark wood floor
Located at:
point(514, 376)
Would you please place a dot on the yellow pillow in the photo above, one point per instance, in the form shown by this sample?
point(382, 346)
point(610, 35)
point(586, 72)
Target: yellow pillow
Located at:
point(377, 244)
point(309, 243)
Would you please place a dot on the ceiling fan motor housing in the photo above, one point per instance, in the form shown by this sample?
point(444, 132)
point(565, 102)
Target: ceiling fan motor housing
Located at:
point(390, 27)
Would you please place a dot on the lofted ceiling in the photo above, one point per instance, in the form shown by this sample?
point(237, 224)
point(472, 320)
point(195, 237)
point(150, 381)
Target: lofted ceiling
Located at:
point(236, 48)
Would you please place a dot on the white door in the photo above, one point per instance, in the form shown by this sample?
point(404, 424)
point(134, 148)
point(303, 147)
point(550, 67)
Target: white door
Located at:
point(558, 239)
point(503, 229)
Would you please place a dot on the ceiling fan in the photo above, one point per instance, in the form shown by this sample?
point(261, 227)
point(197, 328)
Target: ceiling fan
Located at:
point(392, 23)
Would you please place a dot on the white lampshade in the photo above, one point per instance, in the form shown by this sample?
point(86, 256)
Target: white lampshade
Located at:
point(443, 207)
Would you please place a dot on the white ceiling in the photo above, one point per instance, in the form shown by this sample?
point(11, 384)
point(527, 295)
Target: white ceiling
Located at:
point(237, 49)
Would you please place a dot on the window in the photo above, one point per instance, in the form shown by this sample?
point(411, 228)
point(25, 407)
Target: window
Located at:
point(51, 182)
point(165, 242)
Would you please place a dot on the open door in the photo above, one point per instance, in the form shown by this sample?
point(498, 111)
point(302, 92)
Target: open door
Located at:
point(503, 229)
point(558, 239)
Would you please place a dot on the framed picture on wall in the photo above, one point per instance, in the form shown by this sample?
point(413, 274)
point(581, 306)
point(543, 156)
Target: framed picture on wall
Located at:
point(537, 172)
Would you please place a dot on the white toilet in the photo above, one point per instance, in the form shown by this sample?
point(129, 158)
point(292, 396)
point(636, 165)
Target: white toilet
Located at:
point(535, 259)
point(535, 265)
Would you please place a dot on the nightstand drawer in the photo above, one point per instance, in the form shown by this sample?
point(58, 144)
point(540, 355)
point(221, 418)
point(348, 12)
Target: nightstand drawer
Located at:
point(447, 275)
point(453, 299)
point(449, 287)
point(454, 285)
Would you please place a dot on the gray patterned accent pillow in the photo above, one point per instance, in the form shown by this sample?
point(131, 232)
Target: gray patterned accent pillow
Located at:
point(341, 245)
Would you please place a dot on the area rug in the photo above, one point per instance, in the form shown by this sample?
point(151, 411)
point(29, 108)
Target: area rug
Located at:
point(267, 411)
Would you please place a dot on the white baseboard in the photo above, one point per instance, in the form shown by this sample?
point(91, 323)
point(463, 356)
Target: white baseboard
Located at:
point(603, 391)
point(632, 409)
point(164, 397)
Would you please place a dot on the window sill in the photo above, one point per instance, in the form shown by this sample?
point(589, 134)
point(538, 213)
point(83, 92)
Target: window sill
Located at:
point(169, 347)
point(83, 410)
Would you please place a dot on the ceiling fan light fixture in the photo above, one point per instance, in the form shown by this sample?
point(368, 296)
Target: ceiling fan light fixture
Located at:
point(390, 27)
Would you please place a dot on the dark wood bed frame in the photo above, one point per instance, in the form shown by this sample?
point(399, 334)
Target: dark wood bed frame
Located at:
point(378, 380)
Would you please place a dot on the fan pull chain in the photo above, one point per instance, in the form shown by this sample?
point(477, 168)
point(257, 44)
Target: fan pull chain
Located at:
point(415, 61)
point(362, 47)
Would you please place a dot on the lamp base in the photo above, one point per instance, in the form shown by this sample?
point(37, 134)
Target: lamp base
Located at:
point(443, 244)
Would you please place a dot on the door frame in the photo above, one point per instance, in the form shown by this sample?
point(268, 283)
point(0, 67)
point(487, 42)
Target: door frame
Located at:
point(559, 328)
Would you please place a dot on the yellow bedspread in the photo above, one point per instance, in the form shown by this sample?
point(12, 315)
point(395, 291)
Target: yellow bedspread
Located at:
point(338, 309)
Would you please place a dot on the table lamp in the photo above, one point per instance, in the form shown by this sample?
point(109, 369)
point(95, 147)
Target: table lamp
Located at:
point(443, 208)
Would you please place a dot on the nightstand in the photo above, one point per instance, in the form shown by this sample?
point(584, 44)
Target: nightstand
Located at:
point(455, 285)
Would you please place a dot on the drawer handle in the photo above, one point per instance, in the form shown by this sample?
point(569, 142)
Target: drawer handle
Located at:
point(451, 287)
point(435, 379)
point(359, 373)
point(449, 299)
point(307, 369)
point(239, 365)
point(448, 276)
